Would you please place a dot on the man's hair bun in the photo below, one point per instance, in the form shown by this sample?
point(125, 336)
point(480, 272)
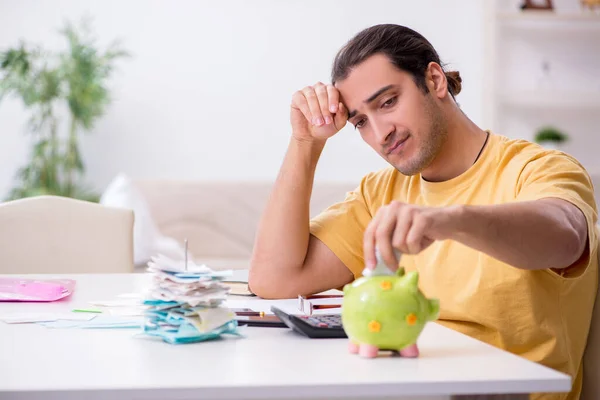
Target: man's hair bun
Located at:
point(454, 82)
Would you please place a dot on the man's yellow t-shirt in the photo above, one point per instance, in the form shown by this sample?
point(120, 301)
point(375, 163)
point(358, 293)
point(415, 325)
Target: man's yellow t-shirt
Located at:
point(541, 315)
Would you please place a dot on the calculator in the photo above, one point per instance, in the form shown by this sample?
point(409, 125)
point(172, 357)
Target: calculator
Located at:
point(318, 326)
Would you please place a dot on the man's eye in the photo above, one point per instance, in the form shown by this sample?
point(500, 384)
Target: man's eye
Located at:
point(389, 102)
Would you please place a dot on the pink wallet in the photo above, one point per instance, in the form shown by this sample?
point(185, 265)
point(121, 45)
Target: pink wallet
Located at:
point(18, 289)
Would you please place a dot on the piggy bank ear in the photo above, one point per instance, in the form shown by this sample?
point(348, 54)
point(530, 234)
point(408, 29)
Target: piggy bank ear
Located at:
point(410, 281)
point(400, 271)
point(434, 309)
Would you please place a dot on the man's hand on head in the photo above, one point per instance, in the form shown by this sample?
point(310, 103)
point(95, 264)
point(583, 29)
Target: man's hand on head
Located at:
point(317, 113)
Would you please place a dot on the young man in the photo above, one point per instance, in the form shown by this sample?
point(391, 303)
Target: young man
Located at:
point(500, 230)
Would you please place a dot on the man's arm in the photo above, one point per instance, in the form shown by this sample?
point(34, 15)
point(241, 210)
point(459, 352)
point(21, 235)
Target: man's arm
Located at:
point(537, 234)
point(287, 260)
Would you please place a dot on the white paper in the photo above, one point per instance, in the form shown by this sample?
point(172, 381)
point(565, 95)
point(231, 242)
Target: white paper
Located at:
point(165, 263)
point(128, 311)
point(23, 318)
point(137, 296)
point(210, 318)
point(101, 322)
point(116, 303)
point(290, 306)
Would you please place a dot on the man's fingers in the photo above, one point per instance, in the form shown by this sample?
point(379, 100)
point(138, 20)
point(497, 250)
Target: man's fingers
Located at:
point(415, 236)
point(398, 228)
point(313, 105)
point(323, 97)
point(370, 240)
point(369, 243)
point(340, 113)
point(383, 238)
point(341, 117)
point(403, 225)
point(299, 102)
point(426, 242)
point(334, 99)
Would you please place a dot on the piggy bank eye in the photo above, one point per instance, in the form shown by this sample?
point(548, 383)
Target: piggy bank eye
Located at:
point(386, 285)
point(411, 319)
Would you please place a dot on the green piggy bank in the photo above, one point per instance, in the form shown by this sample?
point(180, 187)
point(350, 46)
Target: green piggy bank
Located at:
point(386, 312)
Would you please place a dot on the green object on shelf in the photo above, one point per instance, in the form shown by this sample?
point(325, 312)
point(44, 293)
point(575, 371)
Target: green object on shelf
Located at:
point(550, 134)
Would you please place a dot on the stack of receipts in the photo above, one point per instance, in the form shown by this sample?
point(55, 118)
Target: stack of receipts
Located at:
point(185, 302)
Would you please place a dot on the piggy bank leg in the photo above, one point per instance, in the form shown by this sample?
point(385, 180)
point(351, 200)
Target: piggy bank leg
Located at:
point(368, 350)
point(411, 351)
point(353, 347)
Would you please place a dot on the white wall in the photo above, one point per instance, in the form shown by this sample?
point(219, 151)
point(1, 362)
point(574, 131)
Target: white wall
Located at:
point(206, 94)
point(566, 94)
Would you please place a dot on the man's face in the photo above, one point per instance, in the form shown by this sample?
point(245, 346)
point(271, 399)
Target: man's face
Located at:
point(396, 118)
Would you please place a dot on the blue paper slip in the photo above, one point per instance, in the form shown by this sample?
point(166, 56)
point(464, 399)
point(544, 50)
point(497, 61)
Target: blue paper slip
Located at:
point(186, 333)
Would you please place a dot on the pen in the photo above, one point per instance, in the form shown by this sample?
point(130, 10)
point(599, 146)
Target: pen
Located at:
point(324, 306)
point(250, 313)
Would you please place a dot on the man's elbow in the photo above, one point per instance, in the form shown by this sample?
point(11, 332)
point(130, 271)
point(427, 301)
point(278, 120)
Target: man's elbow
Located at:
point(575, 244)
point(572, 236)
point(580, 241)
point(266, 285)
point(262, 289)
point(257, 281)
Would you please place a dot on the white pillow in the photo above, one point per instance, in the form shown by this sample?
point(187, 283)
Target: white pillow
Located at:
point(147, 239)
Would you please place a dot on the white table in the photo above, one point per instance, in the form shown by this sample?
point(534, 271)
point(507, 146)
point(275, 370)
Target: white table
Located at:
point(269, 363)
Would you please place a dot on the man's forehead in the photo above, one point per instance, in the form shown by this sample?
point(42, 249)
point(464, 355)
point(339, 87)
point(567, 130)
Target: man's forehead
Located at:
point(356, 99)
point(366, 79)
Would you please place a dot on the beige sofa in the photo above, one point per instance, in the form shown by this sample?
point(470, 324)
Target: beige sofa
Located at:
point(219, 219)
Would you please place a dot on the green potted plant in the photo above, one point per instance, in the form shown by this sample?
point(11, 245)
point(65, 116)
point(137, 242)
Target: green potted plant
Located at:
point(550, 137)
point(46, 82)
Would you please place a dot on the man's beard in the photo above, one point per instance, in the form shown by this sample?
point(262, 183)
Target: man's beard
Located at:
point(431, 141)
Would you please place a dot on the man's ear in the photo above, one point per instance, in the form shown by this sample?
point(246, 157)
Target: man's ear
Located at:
point(436, 81)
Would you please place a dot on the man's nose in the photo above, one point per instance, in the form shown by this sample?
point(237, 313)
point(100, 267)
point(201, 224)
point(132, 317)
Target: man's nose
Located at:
point(383, 131)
